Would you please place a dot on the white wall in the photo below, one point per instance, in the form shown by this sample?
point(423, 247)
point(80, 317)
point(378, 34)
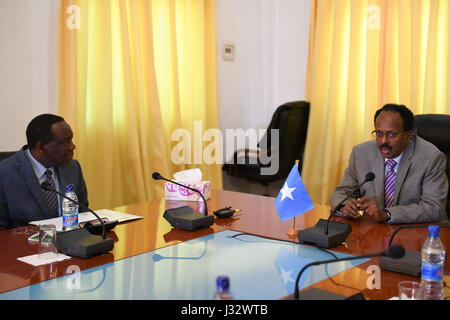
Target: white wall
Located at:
point(28, 64)
point(269, 68)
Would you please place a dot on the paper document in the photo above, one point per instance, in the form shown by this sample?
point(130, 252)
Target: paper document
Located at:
point(37, 260)
point(87, 216)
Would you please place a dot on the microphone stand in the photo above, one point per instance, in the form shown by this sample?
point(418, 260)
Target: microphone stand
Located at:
point(184, 217)
point(192, 189)
point(316, 263)
point(411, 262)
point(46, 187)
point(319, 234)
point(397, 252)
point(340, 204)
point(80, 242)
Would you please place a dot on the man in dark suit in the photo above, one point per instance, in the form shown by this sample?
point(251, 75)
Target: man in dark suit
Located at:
point(47, 155)
point(410, 182)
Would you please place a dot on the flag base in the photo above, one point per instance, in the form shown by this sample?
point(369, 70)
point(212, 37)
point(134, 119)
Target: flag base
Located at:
point(293, 232)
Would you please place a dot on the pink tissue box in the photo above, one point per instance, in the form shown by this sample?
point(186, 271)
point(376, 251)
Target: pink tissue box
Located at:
point(176, 192)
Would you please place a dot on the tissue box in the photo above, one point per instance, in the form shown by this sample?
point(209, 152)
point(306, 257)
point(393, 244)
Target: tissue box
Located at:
point(176, 192)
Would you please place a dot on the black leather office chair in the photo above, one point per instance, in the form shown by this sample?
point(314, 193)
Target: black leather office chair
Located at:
point(435, 128)
point(292, 121)
point(6, 154)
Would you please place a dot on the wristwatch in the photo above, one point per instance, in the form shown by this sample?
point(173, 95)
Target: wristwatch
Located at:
point(389, 215)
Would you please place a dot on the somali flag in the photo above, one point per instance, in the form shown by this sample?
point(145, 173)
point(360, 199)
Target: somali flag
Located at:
point(293, 198)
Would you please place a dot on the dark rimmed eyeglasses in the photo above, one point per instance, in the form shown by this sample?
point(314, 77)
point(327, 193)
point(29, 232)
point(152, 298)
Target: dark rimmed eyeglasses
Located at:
point(389, 135)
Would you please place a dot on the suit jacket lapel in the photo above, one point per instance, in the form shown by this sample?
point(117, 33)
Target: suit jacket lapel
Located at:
point(379, 179)
point(61, 180)
point(26, 170)
point(403, 168)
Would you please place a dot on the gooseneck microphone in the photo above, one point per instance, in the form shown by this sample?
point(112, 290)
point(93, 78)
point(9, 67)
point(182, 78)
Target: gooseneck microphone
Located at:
point(411, 263)
point(80, 242)
point(369, 177)
point(328, 234)
point(394, 252)
point(157, 176)
point(46, 186)
point(184, 217)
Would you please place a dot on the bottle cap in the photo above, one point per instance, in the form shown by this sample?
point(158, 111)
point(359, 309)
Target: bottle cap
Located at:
point(69, 187)
point(223, 283)
point(433, 230)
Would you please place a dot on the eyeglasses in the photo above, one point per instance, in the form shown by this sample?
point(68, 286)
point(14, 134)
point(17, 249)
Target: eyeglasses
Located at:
point(389, 135)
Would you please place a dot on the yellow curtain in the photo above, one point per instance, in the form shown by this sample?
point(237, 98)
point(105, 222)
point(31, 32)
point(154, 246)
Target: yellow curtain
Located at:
point(362, 55)
point(130, 74)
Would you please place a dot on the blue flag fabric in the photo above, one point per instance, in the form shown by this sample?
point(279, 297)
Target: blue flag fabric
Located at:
point(293, 198)
point(288, 266)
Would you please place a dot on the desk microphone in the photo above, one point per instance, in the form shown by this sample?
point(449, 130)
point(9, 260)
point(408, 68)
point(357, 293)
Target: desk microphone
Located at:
point(394, 252)
point(327, 234)
point(184, 217)
point(411, 263)
point(369, 177)
point(80, 242)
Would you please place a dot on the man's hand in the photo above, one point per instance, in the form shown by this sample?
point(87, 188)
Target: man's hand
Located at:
point(351, 209)
point(370, 207)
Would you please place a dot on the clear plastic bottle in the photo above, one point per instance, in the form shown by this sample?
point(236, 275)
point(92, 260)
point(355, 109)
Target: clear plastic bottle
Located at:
point(433, 257)
point(70, 210)
point(223, 289)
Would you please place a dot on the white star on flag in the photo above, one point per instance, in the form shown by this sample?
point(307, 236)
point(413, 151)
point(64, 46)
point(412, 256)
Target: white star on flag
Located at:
point(286, 276)
point(299, 202)
point(287, 192)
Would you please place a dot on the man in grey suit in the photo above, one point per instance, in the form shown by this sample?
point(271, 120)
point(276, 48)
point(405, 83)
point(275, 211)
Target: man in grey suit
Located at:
point(47, 155)
point(410, 182)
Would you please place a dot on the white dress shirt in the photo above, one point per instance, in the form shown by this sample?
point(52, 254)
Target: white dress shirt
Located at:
point(39, 171)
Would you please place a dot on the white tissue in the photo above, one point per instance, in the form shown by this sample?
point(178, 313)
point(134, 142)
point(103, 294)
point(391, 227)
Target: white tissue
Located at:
point(190, 175)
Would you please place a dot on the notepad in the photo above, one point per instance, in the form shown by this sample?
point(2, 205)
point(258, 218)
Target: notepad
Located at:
point(88, 216)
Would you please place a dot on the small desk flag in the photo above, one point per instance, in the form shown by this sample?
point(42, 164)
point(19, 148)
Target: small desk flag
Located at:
point(293, 198)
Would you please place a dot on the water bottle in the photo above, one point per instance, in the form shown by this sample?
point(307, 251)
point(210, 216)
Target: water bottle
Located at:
point(433, 256)
point(223, 289)
point(70, 210)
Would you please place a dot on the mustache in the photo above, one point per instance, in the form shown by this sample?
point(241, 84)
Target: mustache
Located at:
point(385, 145)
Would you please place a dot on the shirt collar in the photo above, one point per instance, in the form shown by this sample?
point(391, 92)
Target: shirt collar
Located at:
point(38, 168)
point(396, 159)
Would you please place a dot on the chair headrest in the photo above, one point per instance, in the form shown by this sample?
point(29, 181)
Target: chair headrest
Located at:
point(434, 128)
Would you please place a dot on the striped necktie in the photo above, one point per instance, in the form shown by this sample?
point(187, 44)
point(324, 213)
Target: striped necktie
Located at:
point(389, 184)
point(50, 197)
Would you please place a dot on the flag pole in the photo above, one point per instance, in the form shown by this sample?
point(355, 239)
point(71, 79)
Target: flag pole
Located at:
point(293, 232)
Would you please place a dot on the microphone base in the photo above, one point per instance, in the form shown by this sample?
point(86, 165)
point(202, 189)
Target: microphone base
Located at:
point(318, 294)
point(337, 233)
point(95, 227)
point(410, 263)
point(81, 243)
point(186, 219)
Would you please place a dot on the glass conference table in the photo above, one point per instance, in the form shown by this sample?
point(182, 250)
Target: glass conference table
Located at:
point(152, 260)
point(258, 268)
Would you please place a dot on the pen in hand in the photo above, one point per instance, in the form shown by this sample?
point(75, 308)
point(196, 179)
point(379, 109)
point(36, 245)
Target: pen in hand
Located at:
point(361, 212)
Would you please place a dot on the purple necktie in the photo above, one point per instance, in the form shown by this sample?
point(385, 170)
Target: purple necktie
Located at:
point(389, 184)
